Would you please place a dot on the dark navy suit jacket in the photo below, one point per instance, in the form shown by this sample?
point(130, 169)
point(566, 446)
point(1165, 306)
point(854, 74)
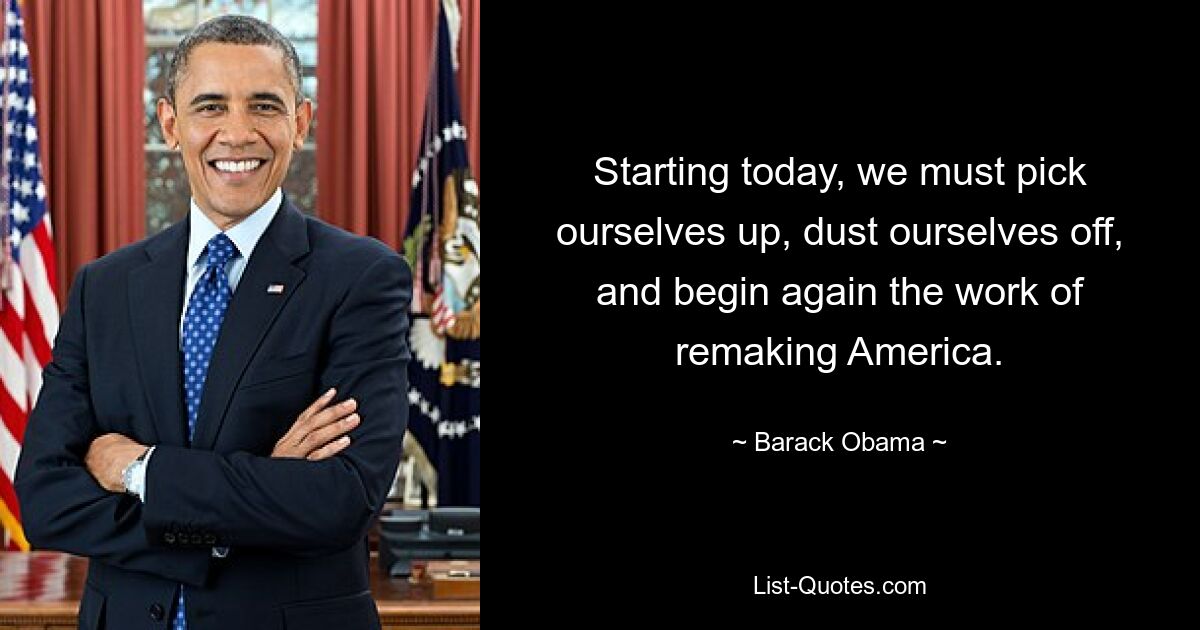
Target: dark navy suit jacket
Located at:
point(296, 528)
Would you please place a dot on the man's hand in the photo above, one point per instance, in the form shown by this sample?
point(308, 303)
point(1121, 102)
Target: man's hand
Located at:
point(107, 458)
point(313, 434)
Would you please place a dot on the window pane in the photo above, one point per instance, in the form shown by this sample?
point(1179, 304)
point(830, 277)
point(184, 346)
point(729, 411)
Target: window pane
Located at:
point(157, 63)
point(300, 186)
point(257, 8)
point(296, 19)
point(169, 17)
point(166, 189)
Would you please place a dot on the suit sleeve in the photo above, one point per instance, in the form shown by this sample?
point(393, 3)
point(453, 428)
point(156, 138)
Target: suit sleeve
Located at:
point(62, 505)
point(302, 506)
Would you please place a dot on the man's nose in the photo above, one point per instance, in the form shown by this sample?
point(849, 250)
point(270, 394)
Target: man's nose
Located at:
point(238, 130)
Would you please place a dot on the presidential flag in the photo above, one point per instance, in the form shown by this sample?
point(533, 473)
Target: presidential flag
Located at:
point(442, 245)
point(29, 309)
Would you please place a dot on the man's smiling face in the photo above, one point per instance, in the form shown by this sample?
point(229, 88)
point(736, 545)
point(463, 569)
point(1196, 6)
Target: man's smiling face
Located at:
point(236, 122)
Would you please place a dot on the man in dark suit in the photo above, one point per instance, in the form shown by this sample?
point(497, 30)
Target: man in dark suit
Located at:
point(174, 442)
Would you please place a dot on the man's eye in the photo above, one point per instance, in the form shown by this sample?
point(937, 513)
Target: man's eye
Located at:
point(264, 107)
point(211, 107)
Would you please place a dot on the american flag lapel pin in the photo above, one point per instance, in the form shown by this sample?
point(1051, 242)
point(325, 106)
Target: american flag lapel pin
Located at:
point(275, 289)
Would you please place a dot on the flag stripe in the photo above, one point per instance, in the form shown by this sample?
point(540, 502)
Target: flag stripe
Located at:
point(12, 372)
point(10, 497)
point(33, 375)
point(11, 321)
point(35, 333)
point(39, 272)
point(42, 235)
point(10, 517)
point(14, 415)
point(10, 449)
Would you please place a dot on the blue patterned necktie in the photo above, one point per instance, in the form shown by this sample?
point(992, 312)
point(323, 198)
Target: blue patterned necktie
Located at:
point(201, 326)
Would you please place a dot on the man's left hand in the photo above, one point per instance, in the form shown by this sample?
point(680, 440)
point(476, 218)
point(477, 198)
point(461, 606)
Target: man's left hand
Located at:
point(107, 458)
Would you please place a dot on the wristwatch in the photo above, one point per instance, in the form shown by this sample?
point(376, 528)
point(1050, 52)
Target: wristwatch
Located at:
point(131, 479)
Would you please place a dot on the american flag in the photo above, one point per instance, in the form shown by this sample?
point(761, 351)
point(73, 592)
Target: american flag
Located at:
point(29, 310)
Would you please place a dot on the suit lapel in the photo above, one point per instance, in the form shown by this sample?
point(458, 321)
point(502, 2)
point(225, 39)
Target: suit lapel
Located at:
point(252, 311)
point(155, 304)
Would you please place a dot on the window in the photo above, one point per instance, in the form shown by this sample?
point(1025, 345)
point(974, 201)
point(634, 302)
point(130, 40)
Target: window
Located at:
point(167, 21)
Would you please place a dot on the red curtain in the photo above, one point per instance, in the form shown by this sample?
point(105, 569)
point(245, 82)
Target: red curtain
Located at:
point(468, 78)
point(88, 59)
point(372, 71)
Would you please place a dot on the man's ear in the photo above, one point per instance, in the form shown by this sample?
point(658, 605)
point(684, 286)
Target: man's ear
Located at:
point(304, 114)
point(168, 123)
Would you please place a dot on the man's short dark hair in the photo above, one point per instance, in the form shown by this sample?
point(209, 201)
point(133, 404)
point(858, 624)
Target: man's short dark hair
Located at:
point(234, 29)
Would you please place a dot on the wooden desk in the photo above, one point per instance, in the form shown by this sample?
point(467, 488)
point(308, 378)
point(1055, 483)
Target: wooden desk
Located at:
point(41, 590)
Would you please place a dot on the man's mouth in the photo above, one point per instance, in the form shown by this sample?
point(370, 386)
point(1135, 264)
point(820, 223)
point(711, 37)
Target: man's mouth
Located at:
point(236, 170)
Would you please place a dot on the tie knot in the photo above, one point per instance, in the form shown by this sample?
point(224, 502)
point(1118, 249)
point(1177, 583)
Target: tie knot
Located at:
point(220, 251)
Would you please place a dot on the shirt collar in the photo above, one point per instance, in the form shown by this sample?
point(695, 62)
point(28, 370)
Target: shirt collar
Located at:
point(245, 234)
